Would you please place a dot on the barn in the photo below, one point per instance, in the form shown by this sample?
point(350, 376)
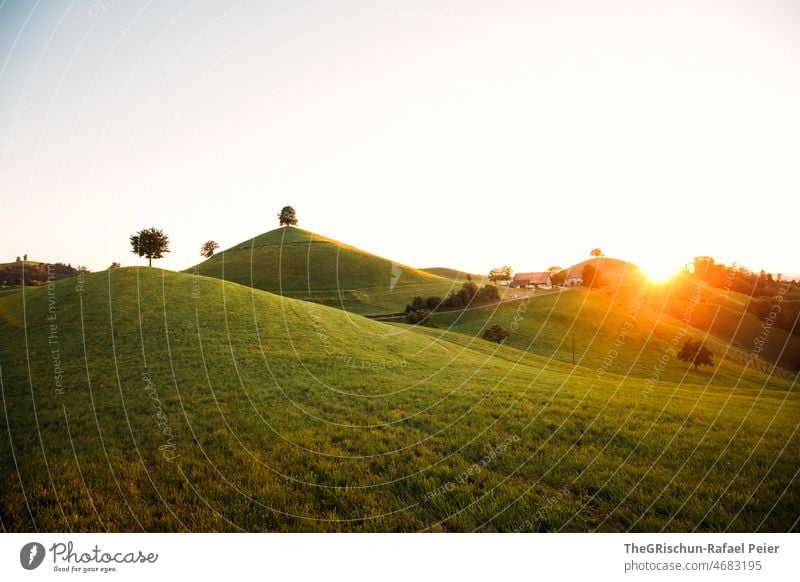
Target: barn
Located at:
point(532, 280)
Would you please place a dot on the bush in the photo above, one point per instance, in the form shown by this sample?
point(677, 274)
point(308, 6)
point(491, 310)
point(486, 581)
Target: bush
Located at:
point(419, 317)
point(416, 304)
point(497, 333)
point(468, 296)
point(696, 353)
point(489, 294)
point(433, 303)
point(592, 278)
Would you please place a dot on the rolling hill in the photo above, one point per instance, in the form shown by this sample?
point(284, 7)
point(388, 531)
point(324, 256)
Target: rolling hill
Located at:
point(139, 399)
point(637, 321)
point(616, 271)
point(32, 273)
point(298, 263)
point(453, 274)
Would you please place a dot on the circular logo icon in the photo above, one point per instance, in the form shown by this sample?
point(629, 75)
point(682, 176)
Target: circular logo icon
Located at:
point(31, 555)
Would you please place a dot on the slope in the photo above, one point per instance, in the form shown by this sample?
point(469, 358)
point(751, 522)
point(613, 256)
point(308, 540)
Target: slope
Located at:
point(634, 331)
point(298, 263)
point(138, 399)
point(615, 271)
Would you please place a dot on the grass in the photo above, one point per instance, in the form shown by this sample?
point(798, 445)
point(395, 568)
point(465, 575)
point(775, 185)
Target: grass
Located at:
point(298, 263)
point(190, 403)
point(621, 333)
point(723, 314)
point(453, 274)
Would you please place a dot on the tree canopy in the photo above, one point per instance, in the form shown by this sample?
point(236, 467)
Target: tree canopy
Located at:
point(497, 333)
point(287, 216)
point(207, 249)
point(558, 275)
point(592, 278)
point(151, 243)
point(503, 273)
point(695, 352)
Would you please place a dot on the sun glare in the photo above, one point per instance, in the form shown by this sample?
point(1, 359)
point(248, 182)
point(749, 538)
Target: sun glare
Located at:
point(659, 273)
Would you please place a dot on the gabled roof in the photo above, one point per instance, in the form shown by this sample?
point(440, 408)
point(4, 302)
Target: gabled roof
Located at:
point(536, 278)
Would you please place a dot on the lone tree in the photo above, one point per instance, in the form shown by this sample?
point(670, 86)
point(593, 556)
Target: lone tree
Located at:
point(287, 216)
point(596, 253)
point(695, 352)
point(497, 333)
point(557, 275)
point(500, 274)
point(208, 248)
point(151, 243)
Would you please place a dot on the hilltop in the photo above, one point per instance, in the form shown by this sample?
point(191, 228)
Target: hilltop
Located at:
point(180, 402)
point(298, 263)
point(616, 271)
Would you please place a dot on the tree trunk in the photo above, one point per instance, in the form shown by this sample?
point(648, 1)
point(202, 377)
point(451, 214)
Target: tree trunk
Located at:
point(149, 261)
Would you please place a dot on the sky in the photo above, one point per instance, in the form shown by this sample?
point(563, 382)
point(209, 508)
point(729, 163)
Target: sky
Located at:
point(465, 134)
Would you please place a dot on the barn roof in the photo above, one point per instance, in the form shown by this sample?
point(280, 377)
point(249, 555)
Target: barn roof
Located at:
point(535, 278)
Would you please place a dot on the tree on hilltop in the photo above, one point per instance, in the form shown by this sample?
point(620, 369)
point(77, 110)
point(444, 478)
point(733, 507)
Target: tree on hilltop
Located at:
point(207, 249)
point(151, 243)
point(287, 216)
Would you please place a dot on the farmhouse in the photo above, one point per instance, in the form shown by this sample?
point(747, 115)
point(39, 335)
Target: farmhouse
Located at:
point(532, 280)
point(573, 280)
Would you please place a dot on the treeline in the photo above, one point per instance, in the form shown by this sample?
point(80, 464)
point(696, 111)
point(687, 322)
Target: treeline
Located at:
point(34, 274)
point(470, 295)
point(780, 310)
point(774, 300)
point(739, 279)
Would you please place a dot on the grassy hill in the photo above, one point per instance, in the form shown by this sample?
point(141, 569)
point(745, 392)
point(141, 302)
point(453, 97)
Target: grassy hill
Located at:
point(298, 263)
point(453, 274)
point(616, 272)
point(169, 402)
point(723, 314)
point(610, 334)
point(32, 273)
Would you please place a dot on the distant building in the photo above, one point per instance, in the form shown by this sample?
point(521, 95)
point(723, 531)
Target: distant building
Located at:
point(573, 280)
point(532, 280)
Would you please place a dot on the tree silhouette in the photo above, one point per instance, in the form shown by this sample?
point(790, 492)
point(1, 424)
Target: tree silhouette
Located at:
point(557, 275)
point(695, 352)
point(287, 216)
point(151, 243)
point(497, 333)
point(592, 278)
point(207, 249)
point(596, 252)
point(500, 274)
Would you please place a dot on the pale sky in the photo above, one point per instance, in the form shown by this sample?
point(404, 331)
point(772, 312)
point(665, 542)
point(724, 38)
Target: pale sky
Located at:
point(462, 134)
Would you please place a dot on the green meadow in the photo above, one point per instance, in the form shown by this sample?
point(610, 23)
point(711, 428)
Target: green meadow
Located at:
point(298, 263)
point(139, 399)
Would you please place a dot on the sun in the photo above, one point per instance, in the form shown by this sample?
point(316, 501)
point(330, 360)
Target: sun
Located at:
point(659, 272)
